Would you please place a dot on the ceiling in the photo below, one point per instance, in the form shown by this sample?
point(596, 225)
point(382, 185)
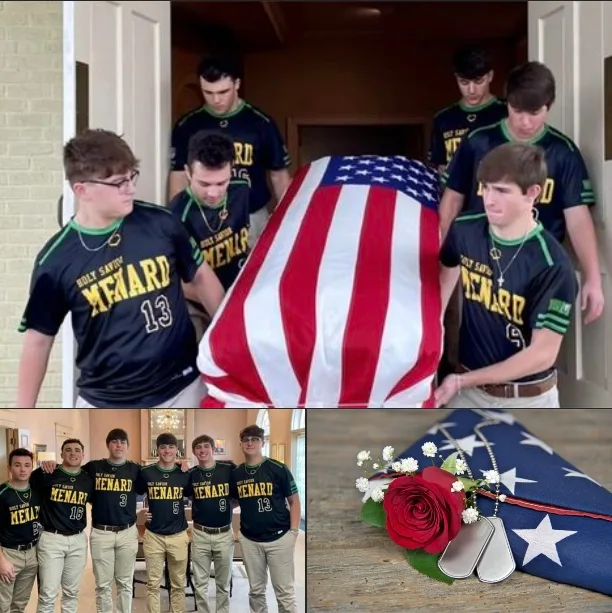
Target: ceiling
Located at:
point(257, 26)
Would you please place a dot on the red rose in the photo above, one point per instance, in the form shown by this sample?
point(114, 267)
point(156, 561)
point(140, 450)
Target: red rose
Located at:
point(422, 511)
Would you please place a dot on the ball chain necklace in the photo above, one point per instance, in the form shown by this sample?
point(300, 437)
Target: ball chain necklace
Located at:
point(112, 241)
point(221, 208)
point(483, 544)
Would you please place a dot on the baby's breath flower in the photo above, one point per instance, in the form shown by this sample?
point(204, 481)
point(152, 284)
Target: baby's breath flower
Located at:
point(429, 450)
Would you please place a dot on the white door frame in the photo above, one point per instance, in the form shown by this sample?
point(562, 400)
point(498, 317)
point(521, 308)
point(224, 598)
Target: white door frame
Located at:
point(69, 130)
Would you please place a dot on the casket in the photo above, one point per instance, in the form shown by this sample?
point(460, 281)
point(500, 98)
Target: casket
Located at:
point(558, 519)
point(339, 303)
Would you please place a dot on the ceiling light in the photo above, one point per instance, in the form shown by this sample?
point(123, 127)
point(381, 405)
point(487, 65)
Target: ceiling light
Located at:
point(367, 12)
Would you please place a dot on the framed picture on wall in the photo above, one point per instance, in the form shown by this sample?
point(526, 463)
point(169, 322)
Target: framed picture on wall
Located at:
point(219, 446)
point(273, 451)
point(281, 452)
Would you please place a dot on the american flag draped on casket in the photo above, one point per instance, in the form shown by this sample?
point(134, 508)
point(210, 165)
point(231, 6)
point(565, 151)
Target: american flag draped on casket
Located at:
point(339, 303)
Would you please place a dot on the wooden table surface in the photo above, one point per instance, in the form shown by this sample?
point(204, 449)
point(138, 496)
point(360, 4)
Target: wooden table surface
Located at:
point(354, 567)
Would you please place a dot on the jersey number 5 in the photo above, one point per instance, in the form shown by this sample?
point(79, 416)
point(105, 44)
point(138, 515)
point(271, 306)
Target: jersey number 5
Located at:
point(157, 314)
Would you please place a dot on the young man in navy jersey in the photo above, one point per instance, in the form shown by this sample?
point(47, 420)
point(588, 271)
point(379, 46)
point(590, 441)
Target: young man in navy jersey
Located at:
point(166, 486)
point(269, 523)
point(567, 195)
point(62, 547)
point(19, 533)
point(214, 209)
point(117, 268)
point(212, 534)
point(518, 287)
point(260, 152)
point(477, 107)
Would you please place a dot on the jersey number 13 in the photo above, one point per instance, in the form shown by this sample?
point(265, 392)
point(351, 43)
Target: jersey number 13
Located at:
point(157, 314)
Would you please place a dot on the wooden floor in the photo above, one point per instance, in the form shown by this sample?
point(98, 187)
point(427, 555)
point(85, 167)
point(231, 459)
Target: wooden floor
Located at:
point(353, 567)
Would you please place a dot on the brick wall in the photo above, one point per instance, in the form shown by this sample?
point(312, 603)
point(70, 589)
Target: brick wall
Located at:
point(30, 170)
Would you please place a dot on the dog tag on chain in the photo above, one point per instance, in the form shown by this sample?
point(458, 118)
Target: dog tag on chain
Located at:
point(462, 554)
point(497, 562)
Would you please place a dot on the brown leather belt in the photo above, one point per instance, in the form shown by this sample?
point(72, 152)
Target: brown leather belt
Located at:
point(529, 389)
point(212, 530)
point(26, 547)
point(112, 528)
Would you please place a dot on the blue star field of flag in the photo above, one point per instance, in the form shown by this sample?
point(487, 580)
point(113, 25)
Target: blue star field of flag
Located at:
point(408, 176)
point(555, 541)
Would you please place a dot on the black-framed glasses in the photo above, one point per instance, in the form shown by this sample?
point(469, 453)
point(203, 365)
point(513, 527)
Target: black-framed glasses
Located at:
point(250, 439)
point(119, 185)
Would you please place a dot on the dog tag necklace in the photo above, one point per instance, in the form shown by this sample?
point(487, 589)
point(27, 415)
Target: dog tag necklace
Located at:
point(483, 544)
point(497, 562)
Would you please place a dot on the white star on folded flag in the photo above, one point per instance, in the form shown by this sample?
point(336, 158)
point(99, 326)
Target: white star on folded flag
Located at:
point(575, 473)
point(536, 442)
point(543, 541)
point(436, 428)
point(467, 444)
point(509, 479)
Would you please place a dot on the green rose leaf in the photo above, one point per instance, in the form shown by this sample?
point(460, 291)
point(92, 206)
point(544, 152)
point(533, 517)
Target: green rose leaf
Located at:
point(427, 564)
point(468, 484)
point(374, 514)
point(450, 463)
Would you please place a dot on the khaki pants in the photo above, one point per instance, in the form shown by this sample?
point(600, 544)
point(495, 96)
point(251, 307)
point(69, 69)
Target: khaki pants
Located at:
point(14, 596)
point(217, 548)
point(156, 547)
point(188, 398)
point(278, 557)
point(257, 222)
point(113, 555)
point(61, 562)
point(475, 398)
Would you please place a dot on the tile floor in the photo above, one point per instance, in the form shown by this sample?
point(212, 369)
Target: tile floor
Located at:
point(239, 602)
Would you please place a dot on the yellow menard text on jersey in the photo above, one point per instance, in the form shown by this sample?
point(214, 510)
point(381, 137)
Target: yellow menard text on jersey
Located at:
point(59, 494)
point(452, 140)
point(203, 491)
point(478, 287)
point(243, 154)
point(248, 490)
point(165, 492)
point(112, 484)
point(24, 515)
point(222, 248)
point(125, 281)
point(546, 197)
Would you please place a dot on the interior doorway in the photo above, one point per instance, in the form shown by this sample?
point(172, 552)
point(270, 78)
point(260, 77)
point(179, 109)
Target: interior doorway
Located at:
point(316, 140)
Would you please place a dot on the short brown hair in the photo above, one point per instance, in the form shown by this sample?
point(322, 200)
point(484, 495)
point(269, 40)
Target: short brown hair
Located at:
point(517, 163)
point(252, 431)
point(203, 438)
point(530, 86)
point(97, 154)
point(72, 441)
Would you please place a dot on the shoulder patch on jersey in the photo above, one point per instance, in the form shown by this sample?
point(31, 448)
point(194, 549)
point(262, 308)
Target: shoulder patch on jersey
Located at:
point(560, 307)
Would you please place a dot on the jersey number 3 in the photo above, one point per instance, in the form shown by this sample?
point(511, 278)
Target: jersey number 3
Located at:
point(157, 314)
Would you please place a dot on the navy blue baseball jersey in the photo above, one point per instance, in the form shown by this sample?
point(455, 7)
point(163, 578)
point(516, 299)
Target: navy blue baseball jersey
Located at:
point(452, 124)
point(221, 232)
point(504, 301)
point(212, 502)
point(262, 491)
point(19, 512)
point(136, 343)
point(257, 140)
point(567, 184)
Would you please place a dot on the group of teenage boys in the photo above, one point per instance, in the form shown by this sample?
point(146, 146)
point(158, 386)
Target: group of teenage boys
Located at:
point(138, 278)
point(43, 518)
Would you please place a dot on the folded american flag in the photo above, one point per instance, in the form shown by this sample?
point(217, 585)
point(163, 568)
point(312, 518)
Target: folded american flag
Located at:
point(339, 302)
point(558, 519)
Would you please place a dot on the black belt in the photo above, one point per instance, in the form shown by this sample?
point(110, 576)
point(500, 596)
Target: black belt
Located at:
point(21, 547)
point(113, 528)
point(212, 530)
point(64, 532)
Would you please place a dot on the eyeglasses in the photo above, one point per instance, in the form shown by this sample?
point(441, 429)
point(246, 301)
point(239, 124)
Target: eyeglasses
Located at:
point(250, 439)
point(120, 185)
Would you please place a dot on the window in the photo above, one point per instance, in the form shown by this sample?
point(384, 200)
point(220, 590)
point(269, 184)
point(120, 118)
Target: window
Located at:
point(263, 421)
point(298, 432)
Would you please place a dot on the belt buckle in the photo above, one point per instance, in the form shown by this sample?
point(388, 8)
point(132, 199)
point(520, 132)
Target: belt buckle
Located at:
point(509, 391)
